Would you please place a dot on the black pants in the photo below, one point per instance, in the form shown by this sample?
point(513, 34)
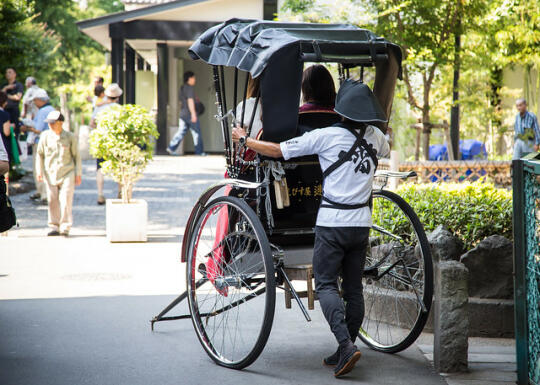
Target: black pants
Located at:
point(341, 251)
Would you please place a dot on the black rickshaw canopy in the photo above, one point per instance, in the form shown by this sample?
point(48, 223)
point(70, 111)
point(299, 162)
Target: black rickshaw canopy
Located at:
point(276, 51)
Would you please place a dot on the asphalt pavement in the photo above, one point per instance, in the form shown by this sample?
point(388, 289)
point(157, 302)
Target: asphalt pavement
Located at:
point(76, 311)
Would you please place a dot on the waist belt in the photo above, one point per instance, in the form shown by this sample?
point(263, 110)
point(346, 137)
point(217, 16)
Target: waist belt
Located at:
point(361, 143)
point(343, 206)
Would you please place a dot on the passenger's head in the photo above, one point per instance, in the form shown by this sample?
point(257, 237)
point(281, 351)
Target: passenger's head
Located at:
point(253, 87)
point(521, 105)
point(318, 86)
point(3, 99)
point(98, 81)
point(189, 78)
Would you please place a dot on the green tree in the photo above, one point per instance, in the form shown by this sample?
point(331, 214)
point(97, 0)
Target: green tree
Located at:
point(26, 44)
point(425, 30)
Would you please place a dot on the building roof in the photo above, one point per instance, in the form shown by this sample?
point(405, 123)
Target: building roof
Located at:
point(135, 4)
point(173, 17)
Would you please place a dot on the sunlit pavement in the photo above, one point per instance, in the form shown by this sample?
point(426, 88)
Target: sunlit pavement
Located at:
point(76, 310)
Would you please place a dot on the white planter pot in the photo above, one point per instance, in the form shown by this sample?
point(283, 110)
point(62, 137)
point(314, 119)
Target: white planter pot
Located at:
point(126, 222)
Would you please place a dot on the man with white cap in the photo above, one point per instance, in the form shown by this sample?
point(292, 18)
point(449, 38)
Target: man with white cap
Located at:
point(113, 93)
point(348, 153)
point(35, 127)
point(59, 166)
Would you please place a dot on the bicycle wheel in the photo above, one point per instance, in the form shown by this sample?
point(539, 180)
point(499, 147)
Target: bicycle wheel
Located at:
point(398, 277)
point(230, 282)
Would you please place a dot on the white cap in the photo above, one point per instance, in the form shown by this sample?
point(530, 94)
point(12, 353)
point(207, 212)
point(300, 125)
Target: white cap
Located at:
point(113, 91)
point(54, 116)
point(40, 93)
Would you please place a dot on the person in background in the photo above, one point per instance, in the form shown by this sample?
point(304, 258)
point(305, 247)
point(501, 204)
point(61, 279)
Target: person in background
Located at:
point(38, 125)
point(59, 166)
point(527, 132)
point(14, 91)
point(100, 99)
point(29, 108)
point(113, 93)
point(95, 100)
point(188, 114)
point(318, 89)
point(5, 125)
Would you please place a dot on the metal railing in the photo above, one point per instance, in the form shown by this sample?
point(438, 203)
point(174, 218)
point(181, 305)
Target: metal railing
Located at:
point(526, 196)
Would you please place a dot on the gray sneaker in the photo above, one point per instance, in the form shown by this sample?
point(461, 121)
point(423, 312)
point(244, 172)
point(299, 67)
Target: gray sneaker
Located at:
point(332, 360)
point(348, 355)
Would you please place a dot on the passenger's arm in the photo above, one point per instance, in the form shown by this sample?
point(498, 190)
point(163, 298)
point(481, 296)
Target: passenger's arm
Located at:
point(262, 147)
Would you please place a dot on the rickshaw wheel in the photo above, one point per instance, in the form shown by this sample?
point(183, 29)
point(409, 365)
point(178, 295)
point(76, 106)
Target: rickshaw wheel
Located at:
point(230, 282)
point(398, 276)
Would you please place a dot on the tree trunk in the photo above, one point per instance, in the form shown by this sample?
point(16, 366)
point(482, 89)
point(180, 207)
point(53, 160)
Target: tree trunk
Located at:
point(426, 132)
point(454, 113)
point(496, 78)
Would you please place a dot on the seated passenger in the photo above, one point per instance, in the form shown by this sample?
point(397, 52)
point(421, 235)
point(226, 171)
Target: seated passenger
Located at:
point(251, 97)
point(318, 90)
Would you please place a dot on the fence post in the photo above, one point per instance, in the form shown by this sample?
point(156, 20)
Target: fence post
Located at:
point(520, 253)
point(451, 320)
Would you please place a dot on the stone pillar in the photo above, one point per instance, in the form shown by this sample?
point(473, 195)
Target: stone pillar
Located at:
point(451, 322)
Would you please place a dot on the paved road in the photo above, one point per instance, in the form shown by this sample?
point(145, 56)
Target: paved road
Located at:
point(76, 310)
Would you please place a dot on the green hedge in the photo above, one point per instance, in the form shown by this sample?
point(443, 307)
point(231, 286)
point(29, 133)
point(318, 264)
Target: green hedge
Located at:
point(472, 211)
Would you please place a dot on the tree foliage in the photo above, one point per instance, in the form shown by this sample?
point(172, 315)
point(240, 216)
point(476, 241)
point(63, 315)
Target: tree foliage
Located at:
point(123, 138)
point(495, 34)
point(26, 45)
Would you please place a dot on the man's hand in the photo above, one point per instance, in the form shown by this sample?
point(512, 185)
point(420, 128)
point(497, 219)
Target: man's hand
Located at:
point(78, 180)
point(193, 118)
point(40, 178)
point(237, 133)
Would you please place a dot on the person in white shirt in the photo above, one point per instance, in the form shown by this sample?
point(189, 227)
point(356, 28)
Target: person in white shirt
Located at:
point(348, 153)
point(251, 99)
point(29, 108)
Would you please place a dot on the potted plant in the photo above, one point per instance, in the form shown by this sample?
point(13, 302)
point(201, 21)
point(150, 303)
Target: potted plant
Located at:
point(123, 138)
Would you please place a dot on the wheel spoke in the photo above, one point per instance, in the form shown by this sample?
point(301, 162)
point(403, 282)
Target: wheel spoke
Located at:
point(394, 297)
point(231, 251)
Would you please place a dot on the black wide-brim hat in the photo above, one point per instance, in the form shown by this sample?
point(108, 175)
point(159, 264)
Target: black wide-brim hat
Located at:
point(356, 101)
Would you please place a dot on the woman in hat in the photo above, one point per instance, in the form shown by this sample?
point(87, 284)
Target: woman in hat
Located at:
point(348, 153)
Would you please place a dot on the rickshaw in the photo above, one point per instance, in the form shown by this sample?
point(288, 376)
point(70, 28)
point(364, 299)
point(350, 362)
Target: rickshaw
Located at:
point(241, 246)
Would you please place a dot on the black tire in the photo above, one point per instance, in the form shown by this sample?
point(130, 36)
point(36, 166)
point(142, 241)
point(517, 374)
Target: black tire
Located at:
point(394, 315)
point(231, 279)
